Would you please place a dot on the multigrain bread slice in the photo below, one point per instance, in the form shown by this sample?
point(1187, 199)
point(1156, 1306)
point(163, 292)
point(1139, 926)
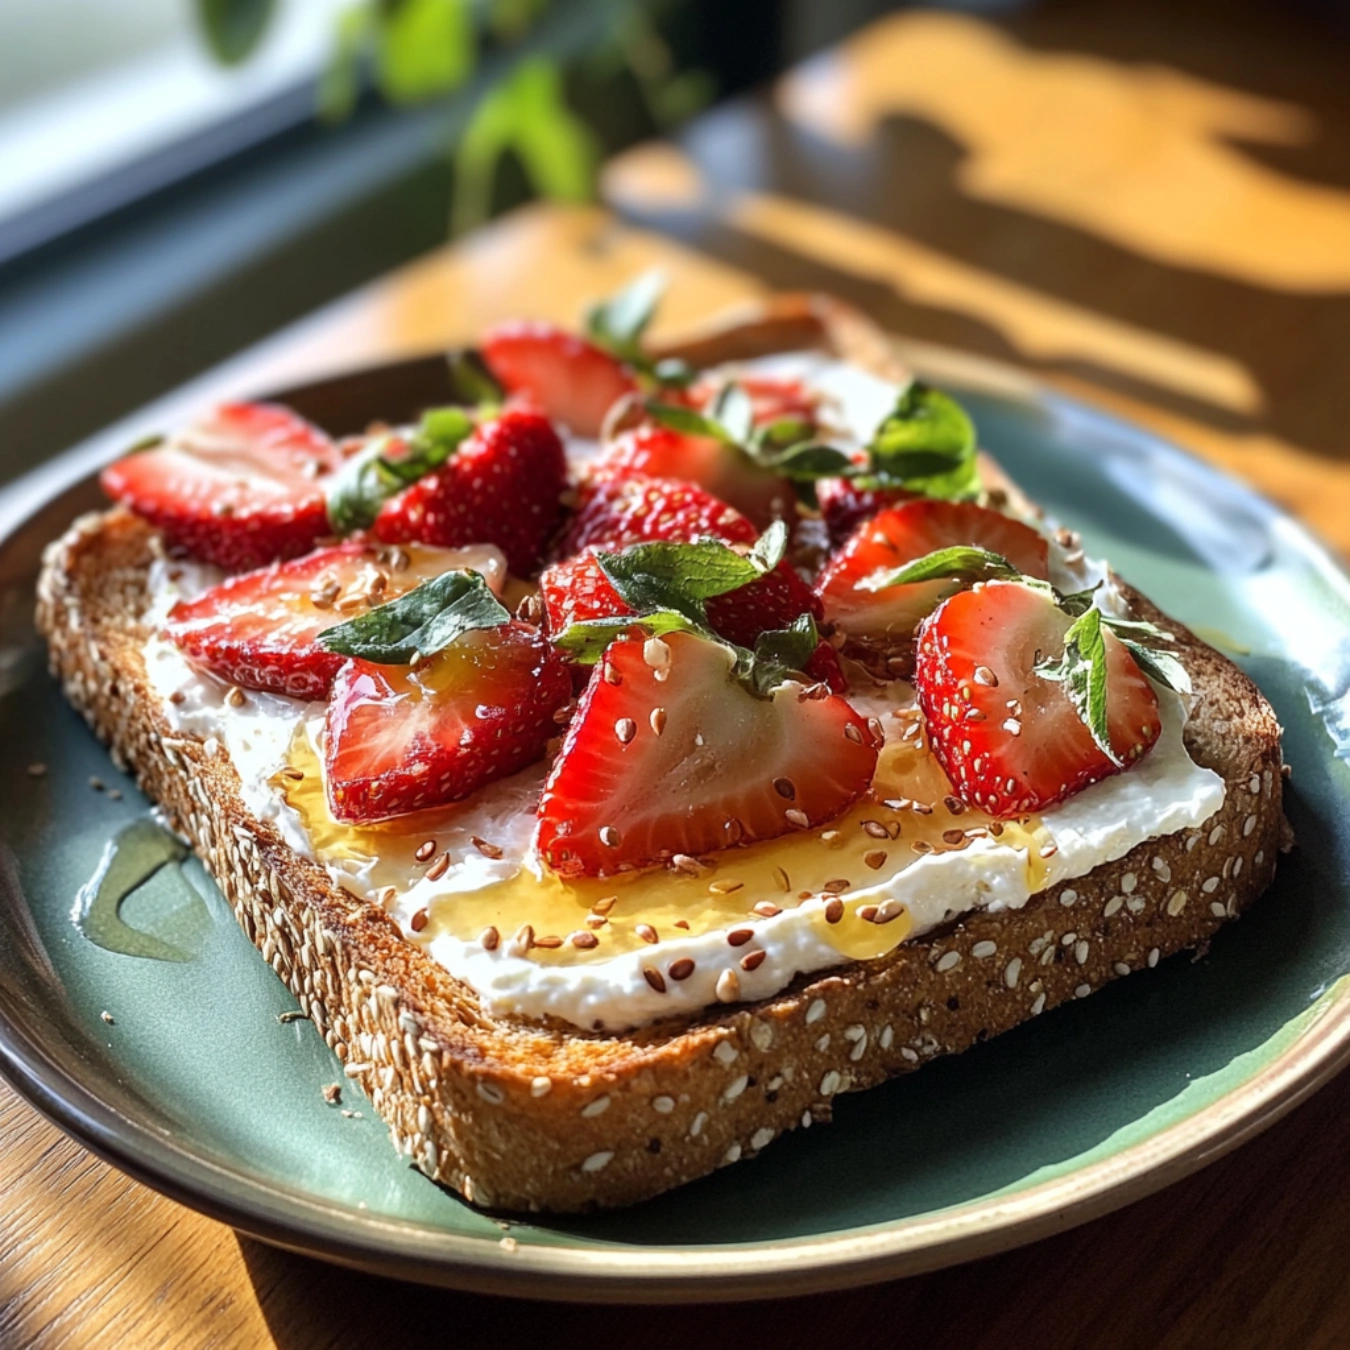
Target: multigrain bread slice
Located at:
point(523, 1115)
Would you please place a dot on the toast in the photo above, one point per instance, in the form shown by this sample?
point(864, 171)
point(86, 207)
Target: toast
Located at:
point(526, 1115)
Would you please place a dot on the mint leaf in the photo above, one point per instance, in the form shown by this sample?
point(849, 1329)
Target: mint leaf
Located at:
point(1082, 671)
point(926, 445)
point(1160, 666)
point(585, 642)
point(781, 652)
point(686, 421)
point(617, 324)
point(961, 562)
point(678, 577)
point(733, 410)
point(420, 623)
point(769, 548)
point(373, 475)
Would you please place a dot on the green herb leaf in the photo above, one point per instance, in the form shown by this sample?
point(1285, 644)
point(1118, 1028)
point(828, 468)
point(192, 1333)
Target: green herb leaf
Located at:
point(420, 623)
point(678, 577)
point(782, 652)
point(1160, 666)
point(1082, 671)
point(961, 562)
point(340, 82)
point(585, 642)
point(769, 549)
point(670, 370)
point(370, 477)
point(686, 421)
point(926, 445)
point(617, 324)
point(733, 410)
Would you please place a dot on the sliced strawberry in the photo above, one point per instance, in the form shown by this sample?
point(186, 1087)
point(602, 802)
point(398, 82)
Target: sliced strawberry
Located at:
point(260, 630)
point(577, 589)
point(398, 739)
point(845, 505)
point(1009, 739)
point(886, 616)
point(724, 470)
point(567, 378)
point(240, 488)
point(669, 754)
point(613, 512)
point(503, 486)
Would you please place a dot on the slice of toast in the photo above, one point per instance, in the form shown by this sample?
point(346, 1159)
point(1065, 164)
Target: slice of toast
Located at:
point(543, 1116)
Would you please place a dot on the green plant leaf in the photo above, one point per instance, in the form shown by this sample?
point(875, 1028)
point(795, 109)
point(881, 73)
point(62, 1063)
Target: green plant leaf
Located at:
point(733, 410)
point(679, 577)
point(424, 48)
point(370, 477)
point(340, 82)
point(926, 445)
point(525, 113)
point(234, 28)
point(558, 150)
point(1160, 666)
point(770, 548)
point(782, 652)
point(1082, 671)
point(585, 642)
point(961, 562)
point(422, 622)
point(618, 323)
point(686, 421)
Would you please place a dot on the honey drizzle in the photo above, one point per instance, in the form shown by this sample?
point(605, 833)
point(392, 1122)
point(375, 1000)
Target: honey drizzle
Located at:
point(716, 892)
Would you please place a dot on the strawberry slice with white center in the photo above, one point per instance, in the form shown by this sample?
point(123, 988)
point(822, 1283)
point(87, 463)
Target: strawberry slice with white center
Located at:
point(669, 753)
point(402, 738)
point(1011, 740)
point(851, 587)
point(568, 379)
point(261, 630)
point(241, 488)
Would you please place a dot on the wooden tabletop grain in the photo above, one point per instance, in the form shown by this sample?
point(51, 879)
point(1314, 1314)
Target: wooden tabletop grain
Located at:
point(1149, 207)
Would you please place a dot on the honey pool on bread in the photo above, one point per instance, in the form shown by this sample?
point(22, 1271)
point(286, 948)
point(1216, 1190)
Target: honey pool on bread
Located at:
point(737, 925)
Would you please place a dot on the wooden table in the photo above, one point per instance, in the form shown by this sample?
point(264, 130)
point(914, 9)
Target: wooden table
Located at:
point(1172, 240)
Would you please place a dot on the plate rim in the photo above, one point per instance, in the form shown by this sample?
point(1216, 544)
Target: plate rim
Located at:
point(1319, 1050)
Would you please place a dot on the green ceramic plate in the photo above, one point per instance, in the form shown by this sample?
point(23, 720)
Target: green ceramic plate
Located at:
point(197, 1088)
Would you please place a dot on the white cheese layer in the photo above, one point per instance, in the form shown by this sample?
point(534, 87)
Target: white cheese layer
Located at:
point(1164, 793)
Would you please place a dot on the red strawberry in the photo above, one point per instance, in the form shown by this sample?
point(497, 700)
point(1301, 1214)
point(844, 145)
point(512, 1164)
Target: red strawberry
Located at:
point(502, 486)
point(900, 535)
point(845, 505)
point(724, 470)
point(239, 489)
point(399, 739)
point(260, 630)
point(577, 589)
point(1009, 739)
point(567, 378)
point(669, 754)
point(613, 512)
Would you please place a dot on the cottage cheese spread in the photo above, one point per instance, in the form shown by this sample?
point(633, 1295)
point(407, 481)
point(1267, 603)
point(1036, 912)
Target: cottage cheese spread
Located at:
point(771, 898)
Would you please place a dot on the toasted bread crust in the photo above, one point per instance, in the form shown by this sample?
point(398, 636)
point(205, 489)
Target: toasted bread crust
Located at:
point(505, 1110)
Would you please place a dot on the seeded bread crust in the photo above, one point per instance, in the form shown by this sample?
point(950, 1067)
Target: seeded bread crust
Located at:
point(528, 1116)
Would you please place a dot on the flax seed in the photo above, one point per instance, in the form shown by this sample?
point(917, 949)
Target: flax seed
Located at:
point(834, 909)
point(875, 858)
point(647, 933)
point(753, 960)
point(655, 979)
point(439, 868)
point(418, 921)
point(766, 909)
point(681, 969)
point(425, 850)
point(486, 849)
point(658, 720)
point(583, 939)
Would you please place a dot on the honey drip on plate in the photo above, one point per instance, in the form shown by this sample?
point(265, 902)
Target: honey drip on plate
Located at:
point(871, 845)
